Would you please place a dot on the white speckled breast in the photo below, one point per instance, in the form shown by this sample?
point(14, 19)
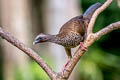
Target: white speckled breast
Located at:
point(70, 40)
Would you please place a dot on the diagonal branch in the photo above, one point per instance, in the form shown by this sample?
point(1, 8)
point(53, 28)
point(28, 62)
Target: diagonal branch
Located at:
point(77, 55)
point(95, 15)
point(89, 40)
point(5, 35)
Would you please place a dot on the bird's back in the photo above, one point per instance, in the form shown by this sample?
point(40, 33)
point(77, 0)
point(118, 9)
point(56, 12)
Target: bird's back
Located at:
point(71, 33)
point(75, 25)
point(74, 31)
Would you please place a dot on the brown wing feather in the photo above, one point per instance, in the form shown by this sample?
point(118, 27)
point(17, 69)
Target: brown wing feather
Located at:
point(75, 24)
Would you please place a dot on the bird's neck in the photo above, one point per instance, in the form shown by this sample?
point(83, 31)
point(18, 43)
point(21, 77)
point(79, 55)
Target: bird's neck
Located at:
point(55, 39)
point(51, 38)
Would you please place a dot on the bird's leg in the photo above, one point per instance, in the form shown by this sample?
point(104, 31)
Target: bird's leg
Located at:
point(68, 52)
point(64, 68)
point(82, 47)
point(69, 57)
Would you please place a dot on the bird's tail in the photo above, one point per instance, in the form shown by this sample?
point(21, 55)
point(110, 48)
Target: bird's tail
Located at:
point(89, 12)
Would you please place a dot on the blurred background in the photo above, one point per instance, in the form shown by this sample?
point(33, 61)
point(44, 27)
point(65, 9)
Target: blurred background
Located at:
point(25, 19)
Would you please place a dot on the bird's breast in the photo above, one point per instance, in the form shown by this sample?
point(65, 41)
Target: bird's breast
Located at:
point(69, 40)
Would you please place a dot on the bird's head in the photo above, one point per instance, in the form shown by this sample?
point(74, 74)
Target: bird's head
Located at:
point(42, 38)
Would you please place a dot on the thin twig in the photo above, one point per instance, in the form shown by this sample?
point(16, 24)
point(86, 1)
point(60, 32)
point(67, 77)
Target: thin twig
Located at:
point(95, 15)
point(5, 35)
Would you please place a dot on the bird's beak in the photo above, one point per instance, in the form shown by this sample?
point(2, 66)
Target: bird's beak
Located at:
point(35, 42)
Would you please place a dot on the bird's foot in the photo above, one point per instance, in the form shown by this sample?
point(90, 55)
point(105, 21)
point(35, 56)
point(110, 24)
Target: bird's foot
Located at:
point(82, 47)
point(64, 68)
point(67, 63)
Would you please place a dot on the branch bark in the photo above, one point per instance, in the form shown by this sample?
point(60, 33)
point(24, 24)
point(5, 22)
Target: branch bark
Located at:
point(76, 57)
point(90, 39)
point(7, 36)
point(95, 15)
point(107, 29)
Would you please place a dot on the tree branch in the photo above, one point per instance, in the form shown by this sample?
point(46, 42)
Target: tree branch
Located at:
point(5, 35)
point(95, 15)
point(107, 29)
point(90, 39)
point(77, 55)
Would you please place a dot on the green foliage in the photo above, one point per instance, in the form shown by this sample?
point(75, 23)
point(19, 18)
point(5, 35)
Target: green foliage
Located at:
point(99, 65)
point(33, 72)
point(38, 73)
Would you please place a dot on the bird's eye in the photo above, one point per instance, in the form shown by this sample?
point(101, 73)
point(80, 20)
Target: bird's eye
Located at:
point(39, 39)
point(45, 38)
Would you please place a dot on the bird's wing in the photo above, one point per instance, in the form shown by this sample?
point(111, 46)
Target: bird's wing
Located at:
point(75, 25)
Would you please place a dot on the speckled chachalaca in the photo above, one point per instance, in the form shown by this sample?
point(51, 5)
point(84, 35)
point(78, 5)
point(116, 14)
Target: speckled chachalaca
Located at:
point(72, 33)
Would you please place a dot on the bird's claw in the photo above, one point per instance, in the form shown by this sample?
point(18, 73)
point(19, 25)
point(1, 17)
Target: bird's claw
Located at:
point(64, 68)
point(82, 47)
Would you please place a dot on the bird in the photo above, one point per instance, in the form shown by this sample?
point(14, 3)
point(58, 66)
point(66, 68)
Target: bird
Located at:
point(72, 33)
